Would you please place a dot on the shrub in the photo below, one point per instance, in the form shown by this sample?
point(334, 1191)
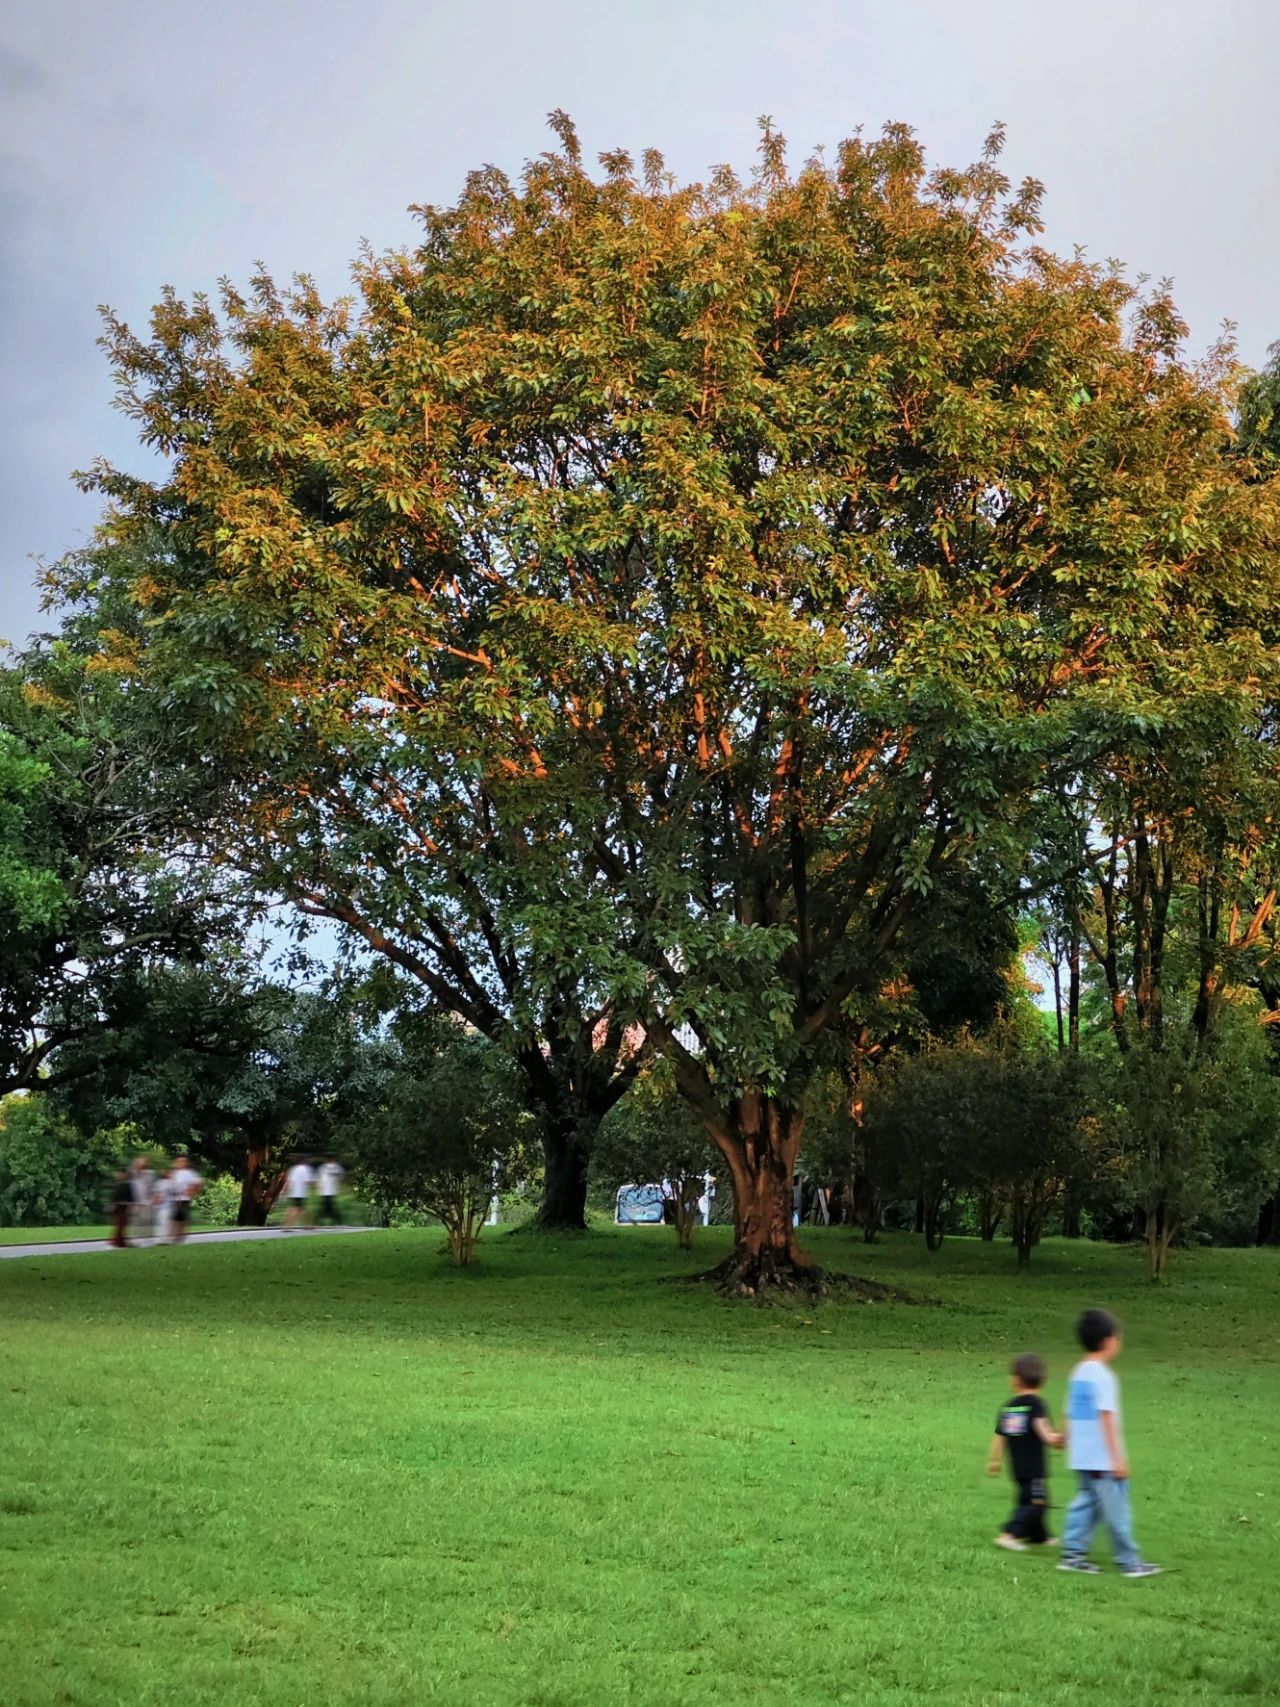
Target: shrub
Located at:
point(218, 1205)
point(50, 1174)
point(446, 1131)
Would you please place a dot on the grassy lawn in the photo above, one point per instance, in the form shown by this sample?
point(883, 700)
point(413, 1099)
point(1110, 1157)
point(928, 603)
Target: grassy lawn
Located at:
point(52, 1235)
point(336, 1471)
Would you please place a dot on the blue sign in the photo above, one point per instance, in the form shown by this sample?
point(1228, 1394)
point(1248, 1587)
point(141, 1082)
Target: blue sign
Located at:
point(639, 1206)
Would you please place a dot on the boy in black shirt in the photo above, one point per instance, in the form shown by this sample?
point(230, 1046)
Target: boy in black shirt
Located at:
point(1023, 1430)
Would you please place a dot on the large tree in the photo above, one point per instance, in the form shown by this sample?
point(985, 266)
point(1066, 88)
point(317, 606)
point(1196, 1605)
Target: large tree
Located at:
point(719, 561)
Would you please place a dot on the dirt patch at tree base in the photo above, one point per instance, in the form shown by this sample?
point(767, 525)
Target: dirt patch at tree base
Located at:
point(773, 1283)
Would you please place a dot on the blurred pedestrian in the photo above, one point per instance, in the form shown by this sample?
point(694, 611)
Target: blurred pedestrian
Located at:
point(331, 1177)
point(162, 1204)
point(121, 1205)
point(143, 1180)
point(185, 1185)
point(299, 1183)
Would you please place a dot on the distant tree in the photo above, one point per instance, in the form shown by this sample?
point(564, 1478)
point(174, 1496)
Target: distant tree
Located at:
point(445, 1129)
point(653, 1135)
point(1010, 1123)
point(100, 881)
point(964, 978)
point(964, 975)
point(920, 1120)
point(1036, 1136)
point(240, 1072)
point(831, 1154)
point(1197, 1132)
point(1258, 416)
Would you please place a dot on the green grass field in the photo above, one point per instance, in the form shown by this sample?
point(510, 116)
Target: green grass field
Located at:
point(337, 1471)
point(53, 1235)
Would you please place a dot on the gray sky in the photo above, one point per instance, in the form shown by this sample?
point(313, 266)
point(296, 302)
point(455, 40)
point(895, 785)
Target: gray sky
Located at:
point(145, 142)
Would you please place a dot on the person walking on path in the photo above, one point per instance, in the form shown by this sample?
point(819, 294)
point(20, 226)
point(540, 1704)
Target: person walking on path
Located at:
point(331, 1177)
point(162, 1205)
point(186, 1185)
point(121, 1205)
point(143, 1181)
point(299, 1183)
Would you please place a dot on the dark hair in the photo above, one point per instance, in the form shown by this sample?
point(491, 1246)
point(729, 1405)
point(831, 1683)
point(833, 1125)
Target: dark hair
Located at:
point(1031, 1369)
point(1095, 1327)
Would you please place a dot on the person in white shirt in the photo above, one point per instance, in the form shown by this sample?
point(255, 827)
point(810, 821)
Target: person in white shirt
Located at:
point(185, 1185)
point(299, 1183)
point(330, 1178)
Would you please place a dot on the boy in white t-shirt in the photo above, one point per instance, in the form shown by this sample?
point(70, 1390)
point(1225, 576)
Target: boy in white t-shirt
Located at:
point(1095, 1451)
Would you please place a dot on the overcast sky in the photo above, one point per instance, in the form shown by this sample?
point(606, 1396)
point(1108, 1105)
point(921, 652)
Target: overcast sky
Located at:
point(147, 142)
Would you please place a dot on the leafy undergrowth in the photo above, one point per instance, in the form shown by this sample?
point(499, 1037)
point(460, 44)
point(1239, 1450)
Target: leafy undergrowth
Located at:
point(339, 1471)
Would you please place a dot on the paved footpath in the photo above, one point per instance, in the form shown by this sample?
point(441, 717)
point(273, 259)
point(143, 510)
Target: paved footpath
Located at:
point(228, 1236)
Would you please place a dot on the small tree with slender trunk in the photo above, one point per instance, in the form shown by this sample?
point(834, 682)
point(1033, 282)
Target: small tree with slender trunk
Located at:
point(445, 1130)
point(921, 1122)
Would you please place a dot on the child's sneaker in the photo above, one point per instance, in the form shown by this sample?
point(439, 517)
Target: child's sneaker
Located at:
point(1075, 1562)
point(1141, 1569)
point(1012, 1543)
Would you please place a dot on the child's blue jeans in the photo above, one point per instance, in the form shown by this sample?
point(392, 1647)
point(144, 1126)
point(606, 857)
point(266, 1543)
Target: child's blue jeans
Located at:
point(1101, 1498)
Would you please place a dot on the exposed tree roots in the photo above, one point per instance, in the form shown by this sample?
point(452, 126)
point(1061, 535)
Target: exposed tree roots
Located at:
point(769, 1278)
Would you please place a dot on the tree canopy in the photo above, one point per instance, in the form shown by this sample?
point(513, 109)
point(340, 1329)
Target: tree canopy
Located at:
point(633, 603)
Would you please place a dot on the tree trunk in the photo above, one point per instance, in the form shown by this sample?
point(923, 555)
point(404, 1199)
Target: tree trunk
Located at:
point(1159, 1230)
point(1071, 1215)
point(919, 1214)
point(759, 1139)
point(868, 1207)
point(572, 1088)
point(990, 1215)
point(933, 1223)
point(564, 1181)
point(1073, 989)
point(1269, 1221)
point(688, 1193)
point(256, 1196)
point(1026, 1223)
